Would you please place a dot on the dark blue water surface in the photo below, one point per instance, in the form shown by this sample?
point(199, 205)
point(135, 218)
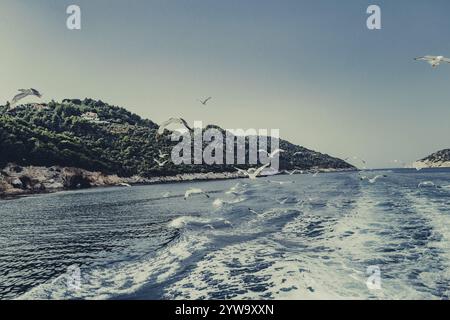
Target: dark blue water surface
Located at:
point(284, 237)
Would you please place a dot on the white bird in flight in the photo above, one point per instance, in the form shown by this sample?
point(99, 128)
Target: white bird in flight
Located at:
point(252, 173)
point(194, 191)
point(433, 60)
point(162, 155)
point(23, 93)
point(356, 158)
point(167, 123)
point(374, 179)
point(161, 163)
point(419, 165)
point(123, 184)
point(364, 162)
point(205, 101)
point(293, 172)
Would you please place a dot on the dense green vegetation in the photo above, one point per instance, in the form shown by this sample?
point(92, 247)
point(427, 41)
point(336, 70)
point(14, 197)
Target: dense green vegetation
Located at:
point(122, 142)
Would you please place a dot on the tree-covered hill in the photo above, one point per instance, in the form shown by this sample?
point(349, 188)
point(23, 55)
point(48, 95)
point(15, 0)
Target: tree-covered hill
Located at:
point(118, 141)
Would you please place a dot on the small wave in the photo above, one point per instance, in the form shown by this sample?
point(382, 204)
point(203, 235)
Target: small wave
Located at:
point(197, 222)
point(288, 200)
point(122, 279)
point(219, 203)
point(426, 184)
point(179, 222)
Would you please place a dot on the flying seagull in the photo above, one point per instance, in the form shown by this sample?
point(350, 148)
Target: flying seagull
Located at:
point(167, 123)
point(123, 184)
point(271, 155)
point(433, 60)
point(205, 101)
point(293, 172)
point(419, 165)
point(162, 155)
point(23, 93)
point(374, 179)
point(161, 163)
point(194, 191)
point(252, 173)
point(356, 158)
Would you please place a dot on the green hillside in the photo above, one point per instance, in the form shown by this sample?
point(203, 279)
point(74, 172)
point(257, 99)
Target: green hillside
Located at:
point(119, 142)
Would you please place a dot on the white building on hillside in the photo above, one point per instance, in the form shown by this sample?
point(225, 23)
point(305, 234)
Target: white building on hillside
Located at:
point(90, 116)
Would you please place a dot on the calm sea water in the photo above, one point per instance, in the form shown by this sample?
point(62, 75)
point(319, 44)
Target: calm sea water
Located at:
point(285, 237)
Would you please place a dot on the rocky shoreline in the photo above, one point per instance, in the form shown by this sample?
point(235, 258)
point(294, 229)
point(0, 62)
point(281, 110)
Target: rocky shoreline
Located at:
point(431, 164)
point(17, 181)
point(440, 159)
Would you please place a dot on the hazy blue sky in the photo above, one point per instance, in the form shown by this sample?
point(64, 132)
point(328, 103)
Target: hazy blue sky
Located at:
point(310, 68)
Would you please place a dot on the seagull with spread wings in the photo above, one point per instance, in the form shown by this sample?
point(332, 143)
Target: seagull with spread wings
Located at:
point(252, 173)
point(179, 121)
point(293, 172)
point(192, 191)
point(160, 163)
point(23, 93)
point(433, 60)
point(273, 154)
point(205, 101)
point(162, 155)
point(355, 158)
point(374, 179)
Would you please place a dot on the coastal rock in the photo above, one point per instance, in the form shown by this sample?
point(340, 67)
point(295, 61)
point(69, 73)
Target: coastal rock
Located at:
point(39, 187)
point(17, 184)
point(75, 179)
point(53, 186)
point(43, 179)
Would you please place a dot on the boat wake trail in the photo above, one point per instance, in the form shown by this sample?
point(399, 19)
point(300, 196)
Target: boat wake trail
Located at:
point(313, 238)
